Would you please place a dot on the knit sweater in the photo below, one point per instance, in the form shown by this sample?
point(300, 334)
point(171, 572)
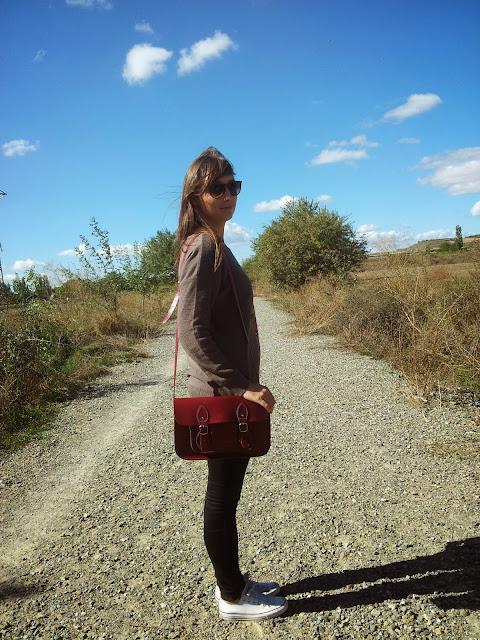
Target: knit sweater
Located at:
point(221, 362)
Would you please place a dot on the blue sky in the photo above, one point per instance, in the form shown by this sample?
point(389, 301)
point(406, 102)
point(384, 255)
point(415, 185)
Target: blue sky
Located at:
point(370, 107)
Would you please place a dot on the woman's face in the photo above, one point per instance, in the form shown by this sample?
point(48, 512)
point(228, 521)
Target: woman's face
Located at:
point(217, 211)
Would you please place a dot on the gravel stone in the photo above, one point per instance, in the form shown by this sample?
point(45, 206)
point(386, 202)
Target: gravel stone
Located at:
point(363, 510)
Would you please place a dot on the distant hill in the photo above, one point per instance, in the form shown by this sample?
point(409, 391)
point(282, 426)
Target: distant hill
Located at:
point(432, 245)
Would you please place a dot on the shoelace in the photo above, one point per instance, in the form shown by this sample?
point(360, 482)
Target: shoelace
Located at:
point(254, 596)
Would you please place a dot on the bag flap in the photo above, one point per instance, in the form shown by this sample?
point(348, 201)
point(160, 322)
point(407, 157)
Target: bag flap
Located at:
point(220, 409)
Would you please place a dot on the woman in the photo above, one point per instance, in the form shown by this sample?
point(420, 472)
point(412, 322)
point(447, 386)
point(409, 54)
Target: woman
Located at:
point(221, 362)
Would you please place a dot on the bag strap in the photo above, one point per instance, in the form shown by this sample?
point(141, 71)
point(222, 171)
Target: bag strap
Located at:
point(175, 302)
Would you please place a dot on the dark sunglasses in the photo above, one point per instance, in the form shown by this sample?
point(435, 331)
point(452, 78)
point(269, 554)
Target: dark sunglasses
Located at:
point(217, 190)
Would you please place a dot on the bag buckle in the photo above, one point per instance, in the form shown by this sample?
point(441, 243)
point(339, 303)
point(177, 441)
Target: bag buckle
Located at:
point(202, 417)
point(242, 417)
point(242, 413)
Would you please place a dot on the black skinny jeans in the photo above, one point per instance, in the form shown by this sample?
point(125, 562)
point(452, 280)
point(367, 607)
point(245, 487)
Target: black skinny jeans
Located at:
point(225, 480)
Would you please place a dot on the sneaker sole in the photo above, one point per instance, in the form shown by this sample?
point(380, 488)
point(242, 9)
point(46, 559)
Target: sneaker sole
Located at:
point(255, 616)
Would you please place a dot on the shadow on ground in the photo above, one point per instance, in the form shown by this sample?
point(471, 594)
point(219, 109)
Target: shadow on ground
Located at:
point(17, 590)
point(451, 576)
point(103, 389)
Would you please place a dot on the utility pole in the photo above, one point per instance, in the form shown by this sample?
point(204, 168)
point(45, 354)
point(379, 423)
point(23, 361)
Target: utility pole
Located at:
point(2, 193)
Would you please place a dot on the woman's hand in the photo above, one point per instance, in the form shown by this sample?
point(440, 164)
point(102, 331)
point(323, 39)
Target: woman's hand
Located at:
point(261, 395)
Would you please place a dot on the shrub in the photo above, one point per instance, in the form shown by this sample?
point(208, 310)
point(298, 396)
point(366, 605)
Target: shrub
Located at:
point(305, 241)
point(158, 259)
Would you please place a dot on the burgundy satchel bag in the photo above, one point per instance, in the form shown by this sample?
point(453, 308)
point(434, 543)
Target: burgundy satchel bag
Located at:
point(218, 426)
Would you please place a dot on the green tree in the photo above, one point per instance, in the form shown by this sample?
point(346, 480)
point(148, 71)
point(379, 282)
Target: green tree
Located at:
point(39, 285)
point(6, 293)
point(458, 237)
point(307, 240)
point(157, 264)
point(21, 290)
point(31, 286)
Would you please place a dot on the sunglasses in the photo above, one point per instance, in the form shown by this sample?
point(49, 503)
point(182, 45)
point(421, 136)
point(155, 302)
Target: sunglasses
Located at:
point(217, 190)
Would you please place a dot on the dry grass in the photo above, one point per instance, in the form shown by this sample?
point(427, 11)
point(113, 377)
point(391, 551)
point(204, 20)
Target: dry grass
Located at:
point(432, 267)
point(422, 318)
point(49, 349)
point(466, 449)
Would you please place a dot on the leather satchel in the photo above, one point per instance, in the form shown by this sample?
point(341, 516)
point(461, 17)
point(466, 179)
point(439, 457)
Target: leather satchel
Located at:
point(218, 426)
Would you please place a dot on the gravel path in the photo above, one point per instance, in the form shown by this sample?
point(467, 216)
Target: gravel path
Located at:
point(371, 531)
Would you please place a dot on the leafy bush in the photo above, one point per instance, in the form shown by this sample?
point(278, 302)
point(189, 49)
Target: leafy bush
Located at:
point(448, 247)
point(305, 241)
point(158, 258)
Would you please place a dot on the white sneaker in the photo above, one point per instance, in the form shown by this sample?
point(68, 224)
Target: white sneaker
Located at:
point(268, 588)
point(253, 605)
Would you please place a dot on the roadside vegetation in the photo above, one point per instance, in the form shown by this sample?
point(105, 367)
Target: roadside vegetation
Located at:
point(420, 311)
point(54, 339)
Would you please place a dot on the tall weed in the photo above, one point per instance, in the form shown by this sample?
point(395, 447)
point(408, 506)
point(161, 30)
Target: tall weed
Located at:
point(49, 348)
point(428, 327)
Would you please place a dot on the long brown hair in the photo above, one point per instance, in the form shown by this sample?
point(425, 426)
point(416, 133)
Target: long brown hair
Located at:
point(208, 167)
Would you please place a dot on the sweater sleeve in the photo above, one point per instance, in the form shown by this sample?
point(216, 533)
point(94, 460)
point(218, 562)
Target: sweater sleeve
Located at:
point(199, 287)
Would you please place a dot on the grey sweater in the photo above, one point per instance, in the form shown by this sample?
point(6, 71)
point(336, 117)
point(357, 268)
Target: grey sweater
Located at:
point(209, 324)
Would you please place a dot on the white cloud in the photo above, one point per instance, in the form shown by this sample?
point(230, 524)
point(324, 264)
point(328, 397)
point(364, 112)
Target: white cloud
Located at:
point(116, 250)
point(368, 123)
point(104, 4)
point(144, 61)
point(236, 234)
point(40, 55)
point(475, 210)
point(382, 240)
point(363, 142)
point(329, 156)
point(144, 26)
point(272, 205)
point(434, 235)
point(277, 205)
point(122, 249)
point(408, 141)
point(202, 51)
point(366, 228)
point(359, 141)
point(457, 171)
point(9, 277)
point(19, 147)
point(417, 103)
point(338, 151)
point(82, 247)
point(22, 265)
point(337, 143)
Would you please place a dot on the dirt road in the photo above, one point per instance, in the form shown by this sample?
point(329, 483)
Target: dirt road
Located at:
point(366, 509)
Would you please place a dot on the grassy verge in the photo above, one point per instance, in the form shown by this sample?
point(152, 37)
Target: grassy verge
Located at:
point(417, 313)
point(49, 349)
